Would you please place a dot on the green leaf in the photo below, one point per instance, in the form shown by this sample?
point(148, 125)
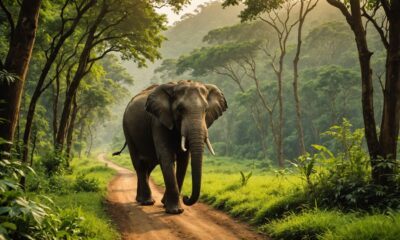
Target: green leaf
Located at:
point(9, 225)
point(4, 210)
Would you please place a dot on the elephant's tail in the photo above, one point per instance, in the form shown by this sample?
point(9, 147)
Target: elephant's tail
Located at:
point(119, 152)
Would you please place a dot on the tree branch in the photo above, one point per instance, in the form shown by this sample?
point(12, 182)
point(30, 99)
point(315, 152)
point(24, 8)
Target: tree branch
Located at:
point(379, 29)
point(110, 49)
point(110, 26)
point(343, 9)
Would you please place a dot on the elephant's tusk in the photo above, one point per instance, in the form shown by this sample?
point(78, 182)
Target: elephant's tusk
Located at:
point(183, 144)
point(210, 146)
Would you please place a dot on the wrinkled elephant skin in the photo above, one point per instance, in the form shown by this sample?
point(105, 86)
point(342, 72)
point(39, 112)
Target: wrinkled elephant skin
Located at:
point(166, 124)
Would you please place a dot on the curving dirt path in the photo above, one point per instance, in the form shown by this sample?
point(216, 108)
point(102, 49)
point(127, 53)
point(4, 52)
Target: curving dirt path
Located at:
point(152, 223)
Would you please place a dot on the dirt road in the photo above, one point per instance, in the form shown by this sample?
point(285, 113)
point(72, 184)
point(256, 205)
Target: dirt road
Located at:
point(152, 223)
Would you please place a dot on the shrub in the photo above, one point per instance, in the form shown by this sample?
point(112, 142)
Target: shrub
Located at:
point(22, 218)
point(59, 185)
point(84, 184)
point(40, 182)
point(53, 163)
point(354, 193)
point(344, 180)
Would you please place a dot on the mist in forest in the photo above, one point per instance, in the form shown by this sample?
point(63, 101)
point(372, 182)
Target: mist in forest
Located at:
point(199, 47)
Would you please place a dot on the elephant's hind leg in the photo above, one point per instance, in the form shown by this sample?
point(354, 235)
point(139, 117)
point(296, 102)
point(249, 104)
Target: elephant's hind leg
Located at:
point(143, 192)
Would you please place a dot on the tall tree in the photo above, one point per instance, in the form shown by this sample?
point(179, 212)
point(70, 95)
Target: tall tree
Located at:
point(21, 41)
point(383, 148)
point(279, 15)
point(131, 28)
point(306, 6)
point(70, 15)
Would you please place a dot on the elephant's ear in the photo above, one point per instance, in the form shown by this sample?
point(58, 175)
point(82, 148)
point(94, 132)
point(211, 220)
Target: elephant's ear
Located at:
point(216, 104)
point(159, 104)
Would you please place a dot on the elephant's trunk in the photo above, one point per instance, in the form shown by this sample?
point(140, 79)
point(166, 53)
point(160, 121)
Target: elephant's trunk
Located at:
point(196, 138)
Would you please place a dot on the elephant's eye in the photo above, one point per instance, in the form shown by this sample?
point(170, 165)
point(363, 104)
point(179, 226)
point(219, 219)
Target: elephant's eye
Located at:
point(180, 109)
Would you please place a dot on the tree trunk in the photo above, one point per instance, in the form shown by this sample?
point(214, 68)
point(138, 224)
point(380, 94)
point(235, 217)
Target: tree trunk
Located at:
point(391, 106)
point(257, 117)
point(79, 74)
point(56, 95)
point(279, 78)
point(80, 138)
point(17, 62)
point(364, 56)
point(71, 127)
point(33, 147)
point(383, 149)
point(299, 125)
point(90, 143)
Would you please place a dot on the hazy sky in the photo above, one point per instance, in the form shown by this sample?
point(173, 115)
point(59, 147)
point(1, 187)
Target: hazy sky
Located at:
point(172, 17)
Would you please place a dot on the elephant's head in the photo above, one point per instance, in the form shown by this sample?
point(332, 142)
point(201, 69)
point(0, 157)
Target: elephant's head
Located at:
point(190, 108)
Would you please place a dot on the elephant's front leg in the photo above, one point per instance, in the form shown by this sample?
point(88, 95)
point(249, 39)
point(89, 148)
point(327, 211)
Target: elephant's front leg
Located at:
point(182, 163)
point(171, 197)
point(166, 157)
point(182, 160)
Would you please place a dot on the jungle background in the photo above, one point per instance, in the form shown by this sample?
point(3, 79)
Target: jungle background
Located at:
point(292, 154)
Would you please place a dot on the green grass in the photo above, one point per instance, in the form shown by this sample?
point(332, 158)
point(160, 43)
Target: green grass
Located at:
point(276, 204)
point(307, 225)
point(374, 227)
point(91, 203)
point(88, 205)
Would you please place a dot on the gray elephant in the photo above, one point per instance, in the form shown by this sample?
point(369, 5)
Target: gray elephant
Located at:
point(162, 124)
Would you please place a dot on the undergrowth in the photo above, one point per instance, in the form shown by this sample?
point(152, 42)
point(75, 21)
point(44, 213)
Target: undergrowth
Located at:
point(58, 203)
point(326, 194)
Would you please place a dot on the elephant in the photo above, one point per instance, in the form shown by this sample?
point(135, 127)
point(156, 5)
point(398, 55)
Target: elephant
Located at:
point(162, 125)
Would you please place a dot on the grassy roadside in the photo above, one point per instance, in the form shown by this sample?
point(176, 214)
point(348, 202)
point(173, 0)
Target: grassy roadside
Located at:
point(274, 202)
point(80, 193)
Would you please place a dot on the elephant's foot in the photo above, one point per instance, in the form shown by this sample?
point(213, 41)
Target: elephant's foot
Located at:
point(145, 201)
point(173, 210)
point(171, 206)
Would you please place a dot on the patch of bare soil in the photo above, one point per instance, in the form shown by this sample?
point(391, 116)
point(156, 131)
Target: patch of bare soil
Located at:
point(152, 223)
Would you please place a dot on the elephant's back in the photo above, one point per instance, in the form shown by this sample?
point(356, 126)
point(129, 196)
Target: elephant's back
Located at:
point(135, 112)
point(137, 126)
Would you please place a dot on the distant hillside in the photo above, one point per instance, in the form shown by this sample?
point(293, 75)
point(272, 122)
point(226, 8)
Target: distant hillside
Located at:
point(187, 34)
